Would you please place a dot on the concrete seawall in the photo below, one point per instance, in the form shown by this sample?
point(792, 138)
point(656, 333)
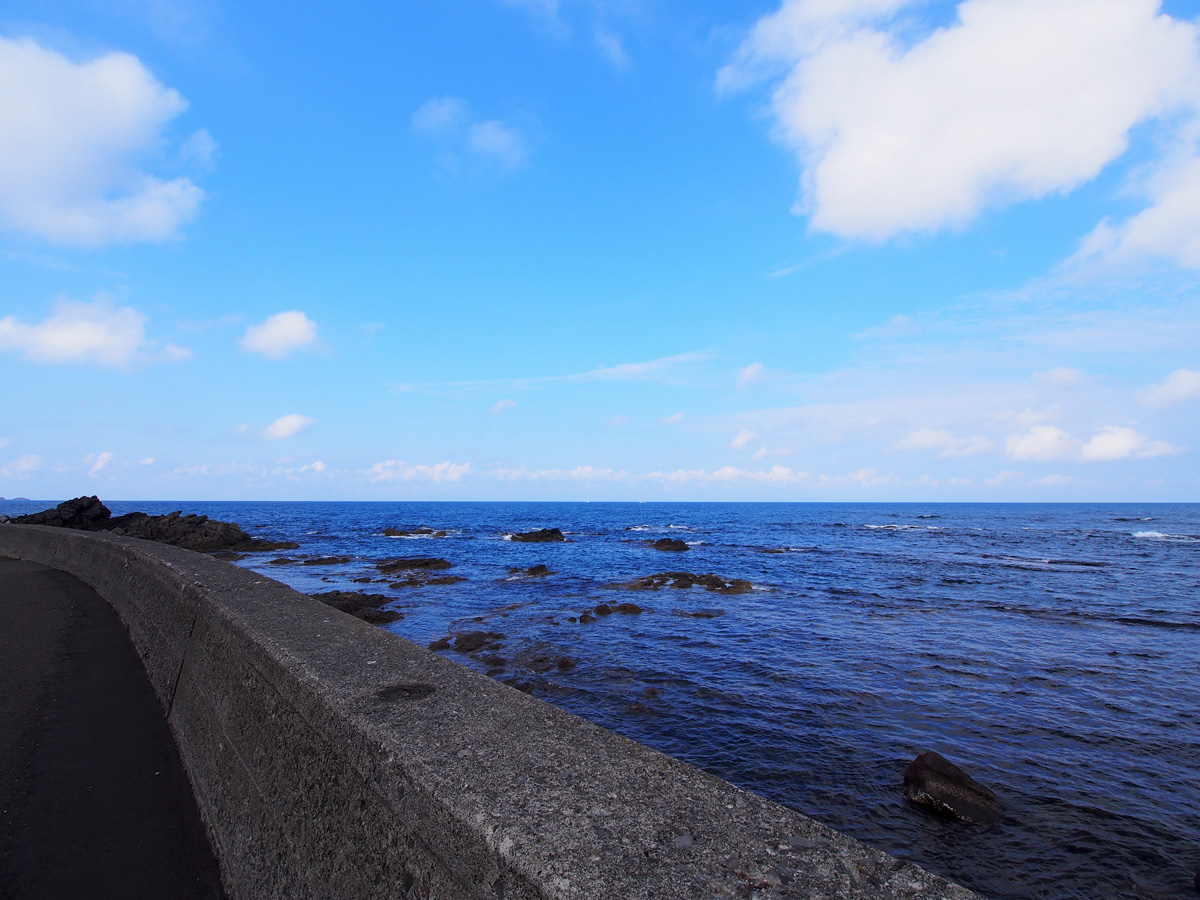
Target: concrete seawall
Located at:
point(332, 759)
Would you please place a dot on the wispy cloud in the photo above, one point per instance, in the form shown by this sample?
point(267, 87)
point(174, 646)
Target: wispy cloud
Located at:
point(285, 427)
point(501, 405)
point(99, 462)
point(21, 467)
point(489, 143)
point(397, 470)
point(664, 370)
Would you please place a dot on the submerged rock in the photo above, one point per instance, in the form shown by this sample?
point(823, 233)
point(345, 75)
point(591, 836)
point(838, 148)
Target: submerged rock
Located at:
point(413, 532)
point(933, 782)
point(538, 571)
point(672, 545)
point(542, 536)
point(683, 580)
point(426, 563)
point(362, 606)
point(474, 641)
point(328, 560)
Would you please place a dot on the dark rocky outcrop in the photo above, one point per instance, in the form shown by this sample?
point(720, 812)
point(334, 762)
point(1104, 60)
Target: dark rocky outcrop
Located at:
point(538, 571)
point(672, 545)
point(413, 532)
point(327, 560)
point(933, 782)
point(362, 606)
point(422, 563)
point(542, 536)
point(191, 532)
point(83, 513)
point(709, 582)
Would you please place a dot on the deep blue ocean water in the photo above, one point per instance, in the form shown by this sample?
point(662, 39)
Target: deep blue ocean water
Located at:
point(1051, 650)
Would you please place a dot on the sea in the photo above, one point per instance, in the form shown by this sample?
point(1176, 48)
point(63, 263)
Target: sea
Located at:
point(1051, 650)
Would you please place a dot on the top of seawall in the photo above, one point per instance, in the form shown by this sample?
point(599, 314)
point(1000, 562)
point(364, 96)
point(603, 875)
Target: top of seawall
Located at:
point(332, 758)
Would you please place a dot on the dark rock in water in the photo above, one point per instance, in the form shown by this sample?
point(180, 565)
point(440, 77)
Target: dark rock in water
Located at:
point(421, 580)
point(538, 571)
point(191, 532)
point(673, 545)
point(413, 532)
point(328, 561)
point(83, 513)
point(541, 536)
point(684, 580)
point(472, 641)
point(627, 609)
point(603, 609)
point(440, 644)
point(700, 613)
point(413, 562)
point(280, 561)
point(587, 617)
point(933, 782)
point(363, 606)
point(229, 555)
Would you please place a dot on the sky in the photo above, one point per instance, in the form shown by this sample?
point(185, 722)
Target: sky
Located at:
point(832, 250)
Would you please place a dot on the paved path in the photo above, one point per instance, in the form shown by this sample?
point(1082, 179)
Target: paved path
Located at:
point(94, 802)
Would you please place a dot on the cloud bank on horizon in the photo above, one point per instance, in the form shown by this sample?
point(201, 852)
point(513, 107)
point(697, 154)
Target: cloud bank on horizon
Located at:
point(546, 265)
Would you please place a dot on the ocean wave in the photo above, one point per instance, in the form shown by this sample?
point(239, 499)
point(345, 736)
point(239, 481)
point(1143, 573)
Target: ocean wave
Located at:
point(905, 527)
point(1160, 536)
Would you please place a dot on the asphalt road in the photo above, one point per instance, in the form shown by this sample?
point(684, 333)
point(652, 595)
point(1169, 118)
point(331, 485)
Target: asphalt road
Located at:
point(94, 802)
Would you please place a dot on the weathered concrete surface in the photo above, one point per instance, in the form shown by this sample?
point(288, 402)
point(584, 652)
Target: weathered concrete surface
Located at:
point(333, 759)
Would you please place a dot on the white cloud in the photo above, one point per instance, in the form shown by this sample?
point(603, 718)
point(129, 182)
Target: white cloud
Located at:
point(727, 474)
point(199, 151)
point(100, 462)
point(661, 369)
point(1114, 442)
point(1043, 443)
point(96, 332)
point(281, 334)
point(317, 466)
point(612, 48)
point(1181, 385)
point(148, 461)
point(749, 375)
point(949, 446)
point(1056, 480)
point(1017, 99)
point(1062, 376)
point(439, 115)
point(286, 426)
point(72, 136)
point(501, 405)
point(498, 143)
point(397, 470)
point(579, 473)
point(21, 467)
point(673, 419)
point(743, 439)
point(1005, 476)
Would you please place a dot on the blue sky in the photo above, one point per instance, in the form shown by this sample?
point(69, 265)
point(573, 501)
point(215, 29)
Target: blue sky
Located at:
point(625, 250)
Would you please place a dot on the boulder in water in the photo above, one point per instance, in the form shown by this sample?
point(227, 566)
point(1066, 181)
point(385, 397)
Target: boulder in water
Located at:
point(933, 782)
point(671, 545)
point(541, 536)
